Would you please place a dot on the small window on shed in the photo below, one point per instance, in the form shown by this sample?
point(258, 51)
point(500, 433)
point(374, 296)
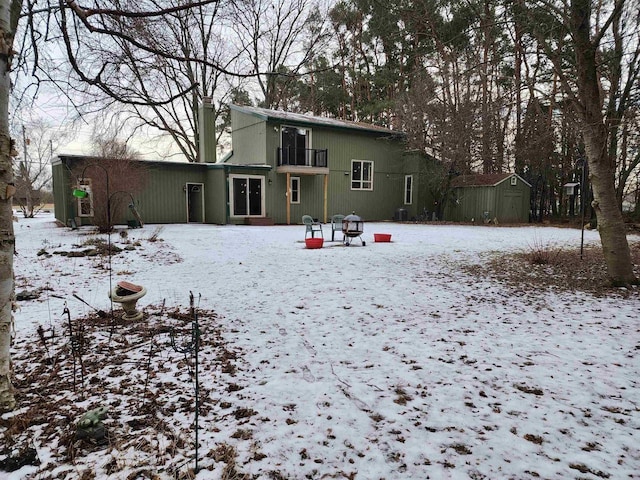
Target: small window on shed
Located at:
point(514, 180)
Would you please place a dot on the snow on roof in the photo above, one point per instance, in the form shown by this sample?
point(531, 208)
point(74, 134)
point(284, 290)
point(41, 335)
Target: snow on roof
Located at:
point(268, 114)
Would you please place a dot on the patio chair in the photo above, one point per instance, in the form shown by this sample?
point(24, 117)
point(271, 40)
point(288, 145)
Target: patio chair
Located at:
point(311, 226)
point(336, 225)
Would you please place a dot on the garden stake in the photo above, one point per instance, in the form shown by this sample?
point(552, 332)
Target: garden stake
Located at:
point(191, 347)
point(101, 313)
point(77, 345)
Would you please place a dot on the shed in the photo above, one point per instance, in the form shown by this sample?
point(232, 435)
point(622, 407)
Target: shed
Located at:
point(504, 197)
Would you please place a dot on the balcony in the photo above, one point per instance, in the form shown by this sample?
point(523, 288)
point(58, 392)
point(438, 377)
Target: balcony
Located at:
point(302, 161)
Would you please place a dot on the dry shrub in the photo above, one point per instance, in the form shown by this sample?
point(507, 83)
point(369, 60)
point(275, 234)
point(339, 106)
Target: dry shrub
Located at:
point(125, 179)
point(155, 236)
point(540, 253)
point(561, 269)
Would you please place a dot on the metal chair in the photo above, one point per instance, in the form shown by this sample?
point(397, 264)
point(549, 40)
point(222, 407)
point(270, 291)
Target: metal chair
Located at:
point(336, 225)
point(311, 226)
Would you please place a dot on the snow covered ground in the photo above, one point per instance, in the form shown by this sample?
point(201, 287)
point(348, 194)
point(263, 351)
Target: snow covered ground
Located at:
point(386, 361)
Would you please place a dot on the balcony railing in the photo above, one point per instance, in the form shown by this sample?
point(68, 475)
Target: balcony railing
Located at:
point(305, 157)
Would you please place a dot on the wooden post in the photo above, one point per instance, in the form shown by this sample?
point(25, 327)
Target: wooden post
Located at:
point(288, 196)
point(326, 189)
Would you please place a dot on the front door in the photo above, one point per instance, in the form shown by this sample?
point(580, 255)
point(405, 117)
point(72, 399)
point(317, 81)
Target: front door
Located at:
point(247, 195)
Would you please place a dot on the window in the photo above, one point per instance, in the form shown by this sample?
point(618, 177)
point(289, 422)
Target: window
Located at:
point(294, 188)
point(514, 180)
point(85, 205)
point(408, 189)
point(361, 175)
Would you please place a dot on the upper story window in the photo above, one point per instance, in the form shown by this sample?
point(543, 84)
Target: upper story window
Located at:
point(361, 175)
point(295, 144)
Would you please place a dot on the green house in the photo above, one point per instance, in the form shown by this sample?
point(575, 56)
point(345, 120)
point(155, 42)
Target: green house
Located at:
point(500, 197)
point(282, 166)
point(320, 167)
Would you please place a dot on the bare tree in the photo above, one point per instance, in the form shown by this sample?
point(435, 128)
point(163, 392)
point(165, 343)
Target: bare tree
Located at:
point(107, 142)
point(600, 82)
point(111, 184)
point(37, 143)
point(193, 35)
point(115, 25)
point(278, 40)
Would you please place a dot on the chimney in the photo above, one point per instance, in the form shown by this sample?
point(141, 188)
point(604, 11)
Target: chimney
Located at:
point(207, 124)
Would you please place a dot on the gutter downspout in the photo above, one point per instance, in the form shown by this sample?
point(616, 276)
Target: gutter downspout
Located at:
point(226, 195)
point(326, 189)
point(288, 196)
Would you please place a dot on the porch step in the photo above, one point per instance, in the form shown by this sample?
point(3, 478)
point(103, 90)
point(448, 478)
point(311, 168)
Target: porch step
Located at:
point(263, 222)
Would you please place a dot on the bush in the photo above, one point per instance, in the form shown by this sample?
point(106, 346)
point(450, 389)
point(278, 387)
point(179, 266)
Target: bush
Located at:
point(540, 253)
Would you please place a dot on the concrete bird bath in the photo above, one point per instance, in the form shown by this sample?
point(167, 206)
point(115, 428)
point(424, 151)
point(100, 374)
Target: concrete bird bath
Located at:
point(128, 294)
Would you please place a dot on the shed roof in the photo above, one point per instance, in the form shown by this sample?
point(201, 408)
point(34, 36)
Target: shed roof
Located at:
point(484, 180)
point(299, 118)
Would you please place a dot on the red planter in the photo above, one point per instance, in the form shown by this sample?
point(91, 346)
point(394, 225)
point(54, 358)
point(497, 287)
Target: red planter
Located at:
point(314, 242)
point(381, 237)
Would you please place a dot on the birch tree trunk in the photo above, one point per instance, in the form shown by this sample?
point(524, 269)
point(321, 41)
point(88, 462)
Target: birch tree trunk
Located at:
point(595, 134)
point(8, 22)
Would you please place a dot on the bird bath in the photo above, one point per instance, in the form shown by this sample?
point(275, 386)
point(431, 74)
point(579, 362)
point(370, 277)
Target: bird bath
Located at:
point(127, 294)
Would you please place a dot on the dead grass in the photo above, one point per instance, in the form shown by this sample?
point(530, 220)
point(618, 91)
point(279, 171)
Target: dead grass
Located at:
point(543, 267)
point(49, 390)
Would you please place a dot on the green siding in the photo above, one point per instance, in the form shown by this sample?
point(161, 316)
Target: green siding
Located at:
point(216, 196)
point(421, 168)
point(165, 199)
point(63, 207)
point(513, 206)
point(505, 202)
point(256, 140)
point(249, 140)
point(342, 147)
point(207, 127)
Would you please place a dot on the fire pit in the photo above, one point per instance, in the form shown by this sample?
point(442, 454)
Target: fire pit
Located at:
point(352, 227)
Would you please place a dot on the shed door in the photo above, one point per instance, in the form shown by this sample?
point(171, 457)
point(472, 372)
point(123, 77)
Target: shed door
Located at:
point(511, 207)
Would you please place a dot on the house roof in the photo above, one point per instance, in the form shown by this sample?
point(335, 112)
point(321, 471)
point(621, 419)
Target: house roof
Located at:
point(484, 180)
point(224, 163)
point(299, 118)
point(96, 159)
